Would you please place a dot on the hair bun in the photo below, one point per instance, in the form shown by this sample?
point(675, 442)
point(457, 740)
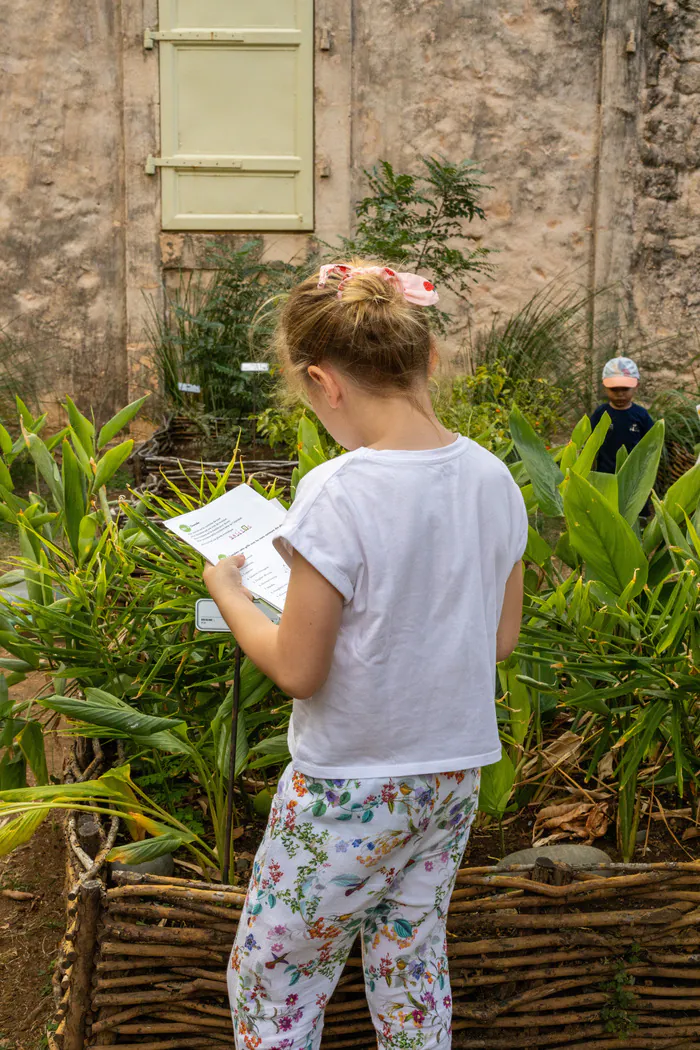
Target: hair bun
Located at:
point(369, 288)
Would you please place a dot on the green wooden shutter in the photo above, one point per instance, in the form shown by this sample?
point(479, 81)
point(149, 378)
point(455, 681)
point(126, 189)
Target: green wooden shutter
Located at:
point(236, 80)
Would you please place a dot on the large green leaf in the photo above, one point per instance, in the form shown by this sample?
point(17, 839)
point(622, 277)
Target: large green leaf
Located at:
point(46, 466)
point(582, 431)
point(681, 499)
point(31, 741)
point(590, 450)
point(611, 551)
point(90, 791)
point(117, 715)
point(606, 484)
point(87, 538)
point(83, 428)
point(111, 462)
point(542, 470)
point(538, 550)
point(149, 849)
point(18, 831)
point(496, 785)
point(118, 422)
point(519, 707)
point(5, 441)
point(74, 491)
point(637, 475)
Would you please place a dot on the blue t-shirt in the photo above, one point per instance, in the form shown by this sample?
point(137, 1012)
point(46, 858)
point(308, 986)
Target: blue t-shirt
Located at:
point(628, 427)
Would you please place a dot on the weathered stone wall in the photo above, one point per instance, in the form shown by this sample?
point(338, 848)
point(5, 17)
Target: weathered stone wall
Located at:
point(61, 200)
point(583, 115)
point(513, 85)
point(666, 267)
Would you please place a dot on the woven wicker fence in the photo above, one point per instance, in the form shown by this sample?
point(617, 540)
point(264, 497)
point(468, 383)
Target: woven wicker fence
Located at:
point(541, 957)
point(160, 459)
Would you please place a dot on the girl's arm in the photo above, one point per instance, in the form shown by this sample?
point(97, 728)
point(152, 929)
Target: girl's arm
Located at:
point(297, 654)
point(511, 614)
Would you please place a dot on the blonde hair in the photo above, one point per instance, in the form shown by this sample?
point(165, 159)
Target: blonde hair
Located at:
point(369, 331)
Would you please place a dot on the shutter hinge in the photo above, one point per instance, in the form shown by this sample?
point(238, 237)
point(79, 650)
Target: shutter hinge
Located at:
point(212, 36)
point(229, 163)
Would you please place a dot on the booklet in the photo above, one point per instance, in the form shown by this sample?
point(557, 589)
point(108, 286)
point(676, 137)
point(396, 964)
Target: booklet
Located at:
point(240, 522)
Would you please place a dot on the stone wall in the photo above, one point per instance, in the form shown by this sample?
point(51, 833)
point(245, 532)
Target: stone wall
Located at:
point(513, 85)
point(583, 115)
point(61, 197)
point(666, 266)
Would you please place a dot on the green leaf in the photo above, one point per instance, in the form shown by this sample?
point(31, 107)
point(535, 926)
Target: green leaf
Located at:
point(542, 470)
point(118, 422)
point(538, 550)
point(18, 831)
point(87, 538)
point(262, 803)
point(13, 770)
point(83, 428)
point(24, 414)
point(274, 745)
point(50, 793)
point(606, 484)
point(12, 578)
point(148, 850)
point(611, 551)
point(111, 462)
point(496, 785)
point(585, 461)
point(108, 715)
point(5, 441)
point(46, 466)
point(582, 431)
point(682, 498)
point(74, 492)
point(31, 741)
point(519, 708)
point(637, 475)
point(6, 477)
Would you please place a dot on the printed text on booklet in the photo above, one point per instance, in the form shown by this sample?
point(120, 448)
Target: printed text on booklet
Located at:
point(240, 522)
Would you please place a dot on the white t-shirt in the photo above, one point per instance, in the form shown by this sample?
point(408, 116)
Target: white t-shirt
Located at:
point(420, 544)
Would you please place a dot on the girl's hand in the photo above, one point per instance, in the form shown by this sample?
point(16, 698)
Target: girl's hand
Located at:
point(225, 577)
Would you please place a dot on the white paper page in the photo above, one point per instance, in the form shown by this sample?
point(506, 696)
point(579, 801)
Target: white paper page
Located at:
point(240, 522)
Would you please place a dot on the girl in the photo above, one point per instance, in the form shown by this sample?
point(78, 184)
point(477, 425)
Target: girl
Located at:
point(405, 589)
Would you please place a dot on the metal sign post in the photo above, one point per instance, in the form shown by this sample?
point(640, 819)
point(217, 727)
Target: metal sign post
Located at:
point(226, 866)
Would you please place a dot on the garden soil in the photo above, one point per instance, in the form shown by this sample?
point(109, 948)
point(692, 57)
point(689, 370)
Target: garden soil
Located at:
point(31, 929)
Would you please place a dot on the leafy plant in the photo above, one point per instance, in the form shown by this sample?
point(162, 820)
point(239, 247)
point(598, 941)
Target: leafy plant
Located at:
point(113, 628)
point(212, 323)
point(617, 636)
point(417, 222)
point(480, 404)
point(279, 425)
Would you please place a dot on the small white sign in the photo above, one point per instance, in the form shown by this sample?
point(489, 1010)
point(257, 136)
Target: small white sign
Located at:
point(189, 388)
point(208, 618)
point(255, 366)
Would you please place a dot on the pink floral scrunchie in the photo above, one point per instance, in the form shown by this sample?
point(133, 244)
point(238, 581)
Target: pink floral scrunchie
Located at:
point(415, 288)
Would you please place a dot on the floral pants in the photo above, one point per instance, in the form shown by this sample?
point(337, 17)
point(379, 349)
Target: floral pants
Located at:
point(342, 857)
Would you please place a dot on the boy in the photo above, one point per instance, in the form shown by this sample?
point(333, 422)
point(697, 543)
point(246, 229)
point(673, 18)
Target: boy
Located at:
point(629, 422)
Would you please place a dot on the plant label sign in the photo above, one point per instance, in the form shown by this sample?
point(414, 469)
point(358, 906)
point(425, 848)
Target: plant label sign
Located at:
point(255, 366)
point(208, 618)
point(189, 388)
